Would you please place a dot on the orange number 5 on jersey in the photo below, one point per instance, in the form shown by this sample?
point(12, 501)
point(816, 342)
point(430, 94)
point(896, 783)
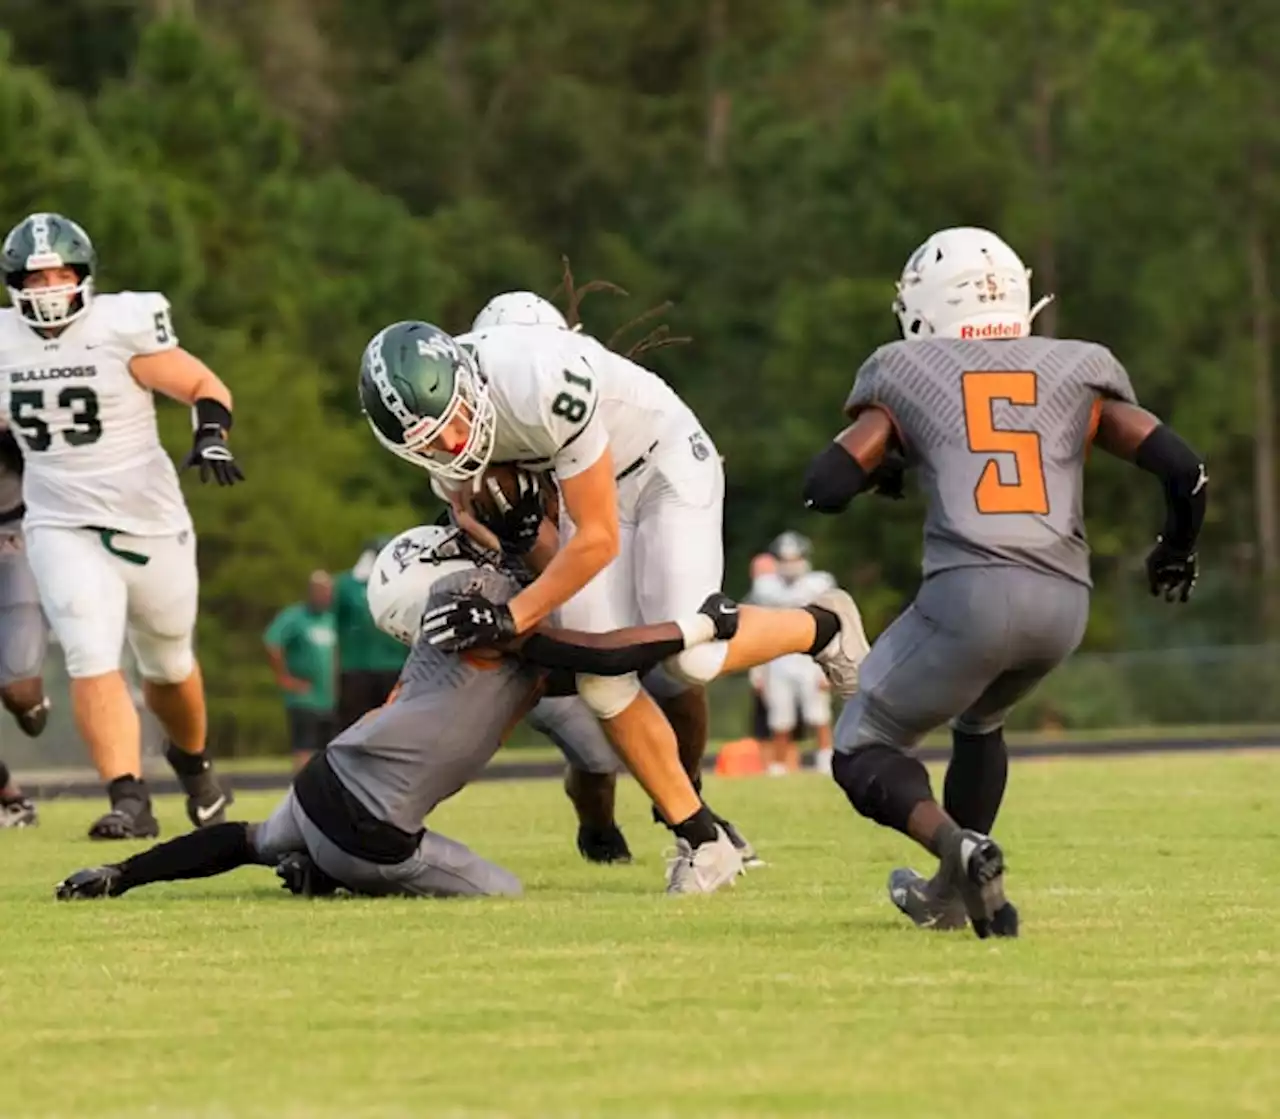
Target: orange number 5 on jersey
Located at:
point(1028, 494)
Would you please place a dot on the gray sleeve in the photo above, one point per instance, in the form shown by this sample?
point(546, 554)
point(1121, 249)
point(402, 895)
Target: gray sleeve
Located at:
point(1108, 377)
point(866, 392)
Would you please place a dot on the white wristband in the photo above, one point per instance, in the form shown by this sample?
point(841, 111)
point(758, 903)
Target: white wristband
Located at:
point(697, 630)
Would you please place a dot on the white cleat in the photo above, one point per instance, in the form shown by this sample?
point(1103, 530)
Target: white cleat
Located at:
point(703, 870)
point(841, 659)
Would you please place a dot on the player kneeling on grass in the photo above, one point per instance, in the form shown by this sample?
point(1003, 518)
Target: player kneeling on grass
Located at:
point(353, 817)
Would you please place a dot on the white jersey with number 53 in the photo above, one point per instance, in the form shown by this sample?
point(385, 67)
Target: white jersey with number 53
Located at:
point(561, 398)
point(87, 429)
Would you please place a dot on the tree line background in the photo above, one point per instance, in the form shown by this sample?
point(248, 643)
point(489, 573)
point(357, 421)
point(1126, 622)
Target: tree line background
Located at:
point(294, 174)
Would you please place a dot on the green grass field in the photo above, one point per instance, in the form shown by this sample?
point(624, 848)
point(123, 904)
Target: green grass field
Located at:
point(1147, 982)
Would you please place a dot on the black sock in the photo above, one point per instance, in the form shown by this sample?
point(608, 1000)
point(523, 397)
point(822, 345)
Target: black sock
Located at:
point(828, 625)
point(184, 764)
point(976, 779)
point(659, 818)
point(128, 787)
point(4, 776)
point(698, 829)
point(197, 854)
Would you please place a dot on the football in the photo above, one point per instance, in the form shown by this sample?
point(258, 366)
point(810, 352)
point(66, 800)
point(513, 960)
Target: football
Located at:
point(506, 477)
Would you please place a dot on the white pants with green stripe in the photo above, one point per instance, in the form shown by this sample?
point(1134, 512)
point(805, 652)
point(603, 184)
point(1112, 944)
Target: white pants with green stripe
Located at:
point(100, 588)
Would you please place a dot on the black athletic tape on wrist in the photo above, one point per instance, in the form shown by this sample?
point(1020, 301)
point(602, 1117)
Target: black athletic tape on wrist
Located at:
point(1167, 455)
point(826, 626)
point(206, 412)
point(834, 478)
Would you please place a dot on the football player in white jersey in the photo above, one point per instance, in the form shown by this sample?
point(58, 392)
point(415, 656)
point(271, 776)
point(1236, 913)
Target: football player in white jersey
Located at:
point(684, 705)
point(794, 685)
point(641, 493)
point(108, 533)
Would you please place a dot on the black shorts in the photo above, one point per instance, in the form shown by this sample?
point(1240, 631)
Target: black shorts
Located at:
point(309, 731)
point(359, 692)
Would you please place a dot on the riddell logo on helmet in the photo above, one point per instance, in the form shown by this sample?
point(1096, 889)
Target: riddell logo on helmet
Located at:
point(993, 330)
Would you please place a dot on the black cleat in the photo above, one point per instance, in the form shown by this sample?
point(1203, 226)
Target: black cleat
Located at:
point(207, 799)
point(33, 721)
point(300, 876)
point(603, 845)
point(129, 818)
point(975, 869)
point(92, 882)
point(930, 904)
point(18, 812)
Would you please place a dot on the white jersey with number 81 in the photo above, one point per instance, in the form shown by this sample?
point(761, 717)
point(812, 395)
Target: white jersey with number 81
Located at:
point(562, 397)
point(87, 429)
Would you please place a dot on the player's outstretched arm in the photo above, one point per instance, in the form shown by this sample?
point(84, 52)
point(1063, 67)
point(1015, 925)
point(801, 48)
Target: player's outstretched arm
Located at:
point(473, 622)
point(1135, 435)
point(183, 377)
point(847, 465)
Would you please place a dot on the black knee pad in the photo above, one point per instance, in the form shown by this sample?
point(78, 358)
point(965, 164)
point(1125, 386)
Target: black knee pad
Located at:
point(882, 783)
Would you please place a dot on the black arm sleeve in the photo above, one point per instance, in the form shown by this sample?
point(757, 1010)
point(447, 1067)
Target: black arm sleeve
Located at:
point(551, 652)
point(1181, 471)
point(834, 478)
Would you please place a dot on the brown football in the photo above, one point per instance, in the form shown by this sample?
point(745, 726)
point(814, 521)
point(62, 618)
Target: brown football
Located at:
point(507, 477)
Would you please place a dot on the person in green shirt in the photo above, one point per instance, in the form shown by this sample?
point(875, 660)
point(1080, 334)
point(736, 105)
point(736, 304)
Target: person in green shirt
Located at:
point(369, 661)
point(301, 645)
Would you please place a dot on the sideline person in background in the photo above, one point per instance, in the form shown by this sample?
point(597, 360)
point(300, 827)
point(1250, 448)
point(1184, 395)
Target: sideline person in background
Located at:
point(16, 810)
point(369, 661)
point(301, 643)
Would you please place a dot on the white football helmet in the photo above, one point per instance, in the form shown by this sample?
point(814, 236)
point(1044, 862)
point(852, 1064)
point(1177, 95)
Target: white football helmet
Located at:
point(791, 550)
point(409, 567)
point(518, 308)
point(966, 283)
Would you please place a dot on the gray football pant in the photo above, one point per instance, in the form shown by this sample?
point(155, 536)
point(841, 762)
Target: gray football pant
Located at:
point(23, 631)
point(440, 867)
point(974, 642)
point(568, 722)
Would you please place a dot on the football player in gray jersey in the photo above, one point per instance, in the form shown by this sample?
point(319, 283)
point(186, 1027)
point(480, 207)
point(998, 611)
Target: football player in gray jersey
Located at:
point(998, 425)
point(23, 631)
point(354, 816)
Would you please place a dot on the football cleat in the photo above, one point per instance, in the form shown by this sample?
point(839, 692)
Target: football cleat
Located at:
point(750, 859)
point(300, 875)
point(92, 882)
point(18, 812)
point(33, 721)
point(929, 904)
point(207, 800)
point(129, 818)
point(703, 869)
point(974, 867)
point(603, 845)
point(843, 656)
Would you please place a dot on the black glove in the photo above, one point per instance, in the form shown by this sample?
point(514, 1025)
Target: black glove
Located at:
point(515, 523)
point(469, 623)
point(1171, 571)
point(889, 478)
point(723, 612)
point(211, 453)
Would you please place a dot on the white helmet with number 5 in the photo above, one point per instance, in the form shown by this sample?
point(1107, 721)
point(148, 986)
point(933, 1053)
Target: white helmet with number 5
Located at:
point(518, 308)
point(966, 283)
point(408, 569)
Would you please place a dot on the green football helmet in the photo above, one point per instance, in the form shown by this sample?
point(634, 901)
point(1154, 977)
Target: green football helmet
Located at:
point(415, 380)
point(48, 241)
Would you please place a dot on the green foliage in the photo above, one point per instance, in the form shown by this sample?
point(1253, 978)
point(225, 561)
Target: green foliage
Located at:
point(297, 177)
